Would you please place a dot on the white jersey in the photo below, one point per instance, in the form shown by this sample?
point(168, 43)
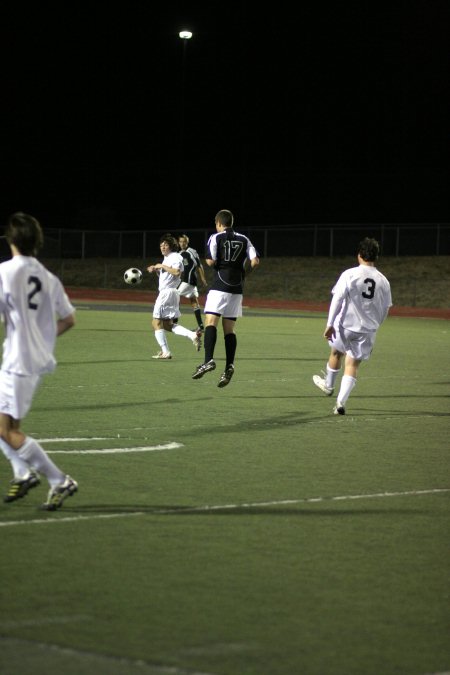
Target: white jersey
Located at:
point(361, 300)
point(31, 298)
point(167, 280)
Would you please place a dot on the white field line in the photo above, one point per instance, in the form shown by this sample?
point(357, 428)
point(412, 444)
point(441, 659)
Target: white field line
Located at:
point(75, 440)
point(221, 507)
point(95, 661)
point(113, 451)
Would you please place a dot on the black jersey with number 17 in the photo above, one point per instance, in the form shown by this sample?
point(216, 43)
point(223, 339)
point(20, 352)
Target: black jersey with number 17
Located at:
point(229, 250)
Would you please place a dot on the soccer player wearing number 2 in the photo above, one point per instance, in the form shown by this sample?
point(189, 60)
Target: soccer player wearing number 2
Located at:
point(360, 304)
point(35, 310)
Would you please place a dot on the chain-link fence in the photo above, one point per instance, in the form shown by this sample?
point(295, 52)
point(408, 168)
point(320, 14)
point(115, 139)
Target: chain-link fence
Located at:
point(302, 240)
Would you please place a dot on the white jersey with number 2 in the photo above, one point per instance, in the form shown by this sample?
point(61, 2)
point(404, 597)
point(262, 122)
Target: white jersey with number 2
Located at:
point(31, 298)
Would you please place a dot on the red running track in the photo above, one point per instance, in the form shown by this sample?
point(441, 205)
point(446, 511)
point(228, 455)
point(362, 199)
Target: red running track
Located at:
point(135, 295)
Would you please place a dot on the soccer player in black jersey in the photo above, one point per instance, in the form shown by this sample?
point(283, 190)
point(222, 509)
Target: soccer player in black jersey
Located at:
point(192, 268)
point(227, 252)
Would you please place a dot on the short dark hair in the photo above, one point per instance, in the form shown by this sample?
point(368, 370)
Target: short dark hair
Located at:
point(171, 240)
point(225, 218)
point(369, 249)
point(25, 233)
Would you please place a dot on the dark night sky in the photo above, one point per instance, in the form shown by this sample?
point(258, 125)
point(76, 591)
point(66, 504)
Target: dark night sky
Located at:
point(303, 114)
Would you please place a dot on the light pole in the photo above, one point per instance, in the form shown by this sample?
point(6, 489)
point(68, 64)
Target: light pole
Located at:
point(184, 35)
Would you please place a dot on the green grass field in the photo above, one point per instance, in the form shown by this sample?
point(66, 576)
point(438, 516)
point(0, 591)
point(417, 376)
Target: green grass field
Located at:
point(236, 531)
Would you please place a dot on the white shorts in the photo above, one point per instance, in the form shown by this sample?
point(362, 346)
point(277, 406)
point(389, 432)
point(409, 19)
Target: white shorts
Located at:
point(16, 393)
point(357, 345)
point(187, 290)
point(228, 305)
point(167, 304)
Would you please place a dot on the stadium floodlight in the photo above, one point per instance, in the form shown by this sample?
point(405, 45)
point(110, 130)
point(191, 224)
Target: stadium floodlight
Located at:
point(185, 35)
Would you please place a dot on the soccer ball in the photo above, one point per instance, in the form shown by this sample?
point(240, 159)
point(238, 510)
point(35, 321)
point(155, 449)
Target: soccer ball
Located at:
point(133, 276)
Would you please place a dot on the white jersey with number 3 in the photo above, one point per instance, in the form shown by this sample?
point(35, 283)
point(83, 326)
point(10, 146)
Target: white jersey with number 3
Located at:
point(31, 298)
point(361, 300)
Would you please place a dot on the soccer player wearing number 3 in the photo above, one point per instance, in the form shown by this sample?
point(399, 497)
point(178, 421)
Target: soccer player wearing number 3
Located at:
point(360, 304)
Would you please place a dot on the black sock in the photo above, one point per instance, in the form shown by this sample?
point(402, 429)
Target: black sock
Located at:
point(210, 342)
point(230, 348)
point(198, 316)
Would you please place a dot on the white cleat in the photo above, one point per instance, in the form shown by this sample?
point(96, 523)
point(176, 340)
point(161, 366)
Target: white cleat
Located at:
point(320, 382)
point(58, 494)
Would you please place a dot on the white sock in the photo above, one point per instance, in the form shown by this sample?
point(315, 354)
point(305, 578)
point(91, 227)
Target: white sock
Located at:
point(32, 453)
point(181, 330)
point(161, 339)
point(20, 468)
point(347, 384)
point(331, 376)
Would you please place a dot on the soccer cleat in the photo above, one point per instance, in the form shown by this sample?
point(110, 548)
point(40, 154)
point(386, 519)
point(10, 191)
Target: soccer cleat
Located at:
point(338, 409)
point(197, 341)
point(204, 368)
point(320, 382)
point(162, 355)
point(226, 376)
point(58, 494)
point(19, 488)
